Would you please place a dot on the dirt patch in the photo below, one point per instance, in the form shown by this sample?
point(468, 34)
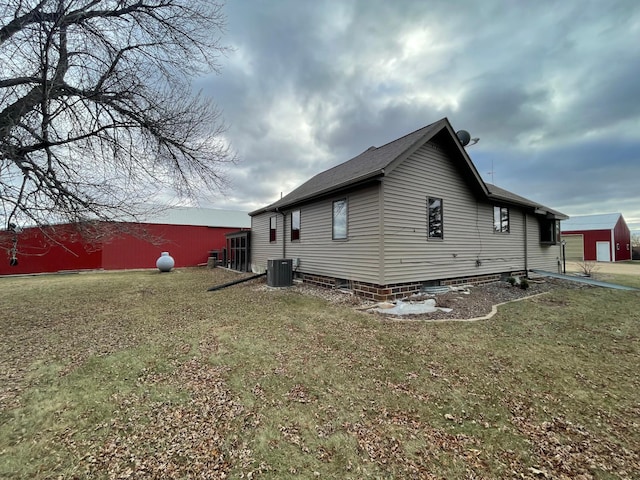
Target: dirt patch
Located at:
point(551, 302)
point(607, 267)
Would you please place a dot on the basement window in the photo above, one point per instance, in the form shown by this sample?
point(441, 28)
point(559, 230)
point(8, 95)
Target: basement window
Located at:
point(501, 219)
point(549, 231)
point(295, 225)
point(343, 284)
point(273, 225)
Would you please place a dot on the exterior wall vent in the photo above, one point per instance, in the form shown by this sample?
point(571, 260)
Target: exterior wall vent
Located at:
point(280, 272)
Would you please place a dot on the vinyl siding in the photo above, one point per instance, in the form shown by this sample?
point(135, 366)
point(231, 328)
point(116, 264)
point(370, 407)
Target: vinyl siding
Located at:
point(261, 248)
point(387, 230)
point(356, 258)
point(468, 233)
point(541, 257)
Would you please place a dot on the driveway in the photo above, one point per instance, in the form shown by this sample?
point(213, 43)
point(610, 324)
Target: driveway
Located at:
point(608, 267)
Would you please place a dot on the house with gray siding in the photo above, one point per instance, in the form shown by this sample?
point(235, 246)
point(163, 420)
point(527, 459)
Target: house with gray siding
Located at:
point(410, 213)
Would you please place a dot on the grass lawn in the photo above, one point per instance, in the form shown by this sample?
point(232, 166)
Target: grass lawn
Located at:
point(148, 375)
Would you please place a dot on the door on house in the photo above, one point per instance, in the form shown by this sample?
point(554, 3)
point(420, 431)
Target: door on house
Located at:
point(238, 251)
point(603, 251)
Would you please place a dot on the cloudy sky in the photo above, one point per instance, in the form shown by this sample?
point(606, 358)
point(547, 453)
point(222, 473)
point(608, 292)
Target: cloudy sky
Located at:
point(552, 88)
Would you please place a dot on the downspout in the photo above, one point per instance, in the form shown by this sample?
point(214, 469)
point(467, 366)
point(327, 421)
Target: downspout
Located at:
point(526, 245)
point(284, 232)
point(381, 251)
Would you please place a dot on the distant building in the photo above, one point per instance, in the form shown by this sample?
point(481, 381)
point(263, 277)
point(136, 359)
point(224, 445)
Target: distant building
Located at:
point(188, 234)
point(602, 238)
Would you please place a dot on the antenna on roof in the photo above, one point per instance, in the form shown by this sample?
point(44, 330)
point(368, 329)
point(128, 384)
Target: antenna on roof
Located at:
point(465, 138)
point(492, 172)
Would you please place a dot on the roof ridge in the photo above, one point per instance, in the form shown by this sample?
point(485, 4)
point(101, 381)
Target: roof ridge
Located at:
point(374, 148)
point(596, 215)
point(410, 133)
point(374, 162)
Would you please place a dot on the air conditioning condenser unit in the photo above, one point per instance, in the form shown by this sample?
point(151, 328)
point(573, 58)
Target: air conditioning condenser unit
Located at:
point(280, 272)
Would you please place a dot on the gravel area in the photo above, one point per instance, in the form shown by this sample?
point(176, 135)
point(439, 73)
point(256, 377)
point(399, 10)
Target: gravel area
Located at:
point(473, 302)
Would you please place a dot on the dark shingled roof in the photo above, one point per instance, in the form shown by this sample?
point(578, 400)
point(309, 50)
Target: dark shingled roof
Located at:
point(372, 163)
point(500, 194)
point(369, 164)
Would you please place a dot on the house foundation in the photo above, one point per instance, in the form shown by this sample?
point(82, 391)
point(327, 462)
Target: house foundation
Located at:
point(395, 291)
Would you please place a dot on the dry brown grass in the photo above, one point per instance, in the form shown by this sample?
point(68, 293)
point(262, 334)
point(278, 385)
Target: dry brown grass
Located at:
point(147, 375)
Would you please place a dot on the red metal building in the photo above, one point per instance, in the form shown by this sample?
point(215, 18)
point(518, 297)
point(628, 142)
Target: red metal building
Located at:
point(602, 238)
point(188, 234)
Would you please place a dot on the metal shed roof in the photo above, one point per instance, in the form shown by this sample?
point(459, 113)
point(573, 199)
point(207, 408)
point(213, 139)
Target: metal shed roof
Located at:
point(208, 217)
point(604, 221)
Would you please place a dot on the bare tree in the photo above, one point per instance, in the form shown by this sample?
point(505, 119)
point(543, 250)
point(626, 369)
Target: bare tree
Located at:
point(97, 113)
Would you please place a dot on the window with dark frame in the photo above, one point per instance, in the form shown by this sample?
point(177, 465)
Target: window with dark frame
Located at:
point(434, 218)
point(501, 219)
point(295, 225)
point(339, 220)
point(273, 225)
point(549, 231)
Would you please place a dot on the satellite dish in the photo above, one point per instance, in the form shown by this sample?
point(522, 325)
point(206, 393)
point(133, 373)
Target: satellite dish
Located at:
point(464, 137)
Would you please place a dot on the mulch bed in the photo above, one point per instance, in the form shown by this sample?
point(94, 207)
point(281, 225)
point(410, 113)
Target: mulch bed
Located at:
point(476, 302)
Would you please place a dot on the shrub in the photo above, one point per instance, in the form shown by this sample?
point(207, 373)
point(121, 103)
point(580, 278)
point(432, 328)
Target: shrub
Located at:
point(588, 267)
point(511, 280)
point(524, 283)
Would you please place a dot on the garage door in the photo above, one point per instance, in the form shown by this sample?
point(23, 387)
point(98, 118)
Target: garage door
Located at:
point(574, 247)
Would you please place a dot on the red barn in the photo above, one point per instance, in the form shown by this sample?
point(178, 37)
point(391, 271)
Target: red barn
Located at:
point(602, 238)
point(188, 234)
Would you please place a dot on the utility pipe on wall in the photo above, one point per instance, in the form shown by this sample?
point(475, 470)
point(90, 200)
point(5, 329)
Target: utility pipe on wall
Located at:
point(284, 232)
point(526, 245)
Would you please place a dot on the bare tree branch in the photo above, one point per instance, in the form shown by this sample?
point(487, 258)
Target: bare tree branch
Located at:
point(97, 115)
point(12, 82)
